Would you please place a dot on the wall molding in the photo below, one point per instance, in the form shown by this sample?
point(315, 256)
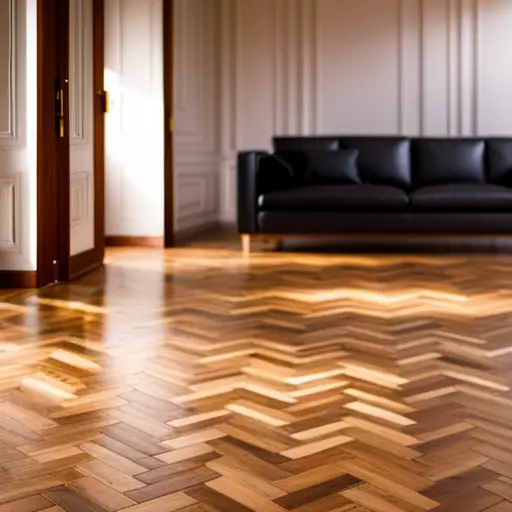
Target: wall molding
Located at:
point(442, 46)
point(468, 58)
point(195, 56)
point(77, 71)
point(476, 64)
point(192, 199)
point(10, 219)
point(8, 136)
point(316, 82)
point(400, 67)
point(203, 123)
point(296, 37)
point(308, 66)
point(279, 66)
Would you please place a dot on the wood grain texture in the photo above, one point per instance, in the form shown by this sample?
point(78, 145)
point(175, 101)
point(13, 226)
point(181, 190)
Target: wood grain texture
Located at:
point(52, 151)
point(195, 379)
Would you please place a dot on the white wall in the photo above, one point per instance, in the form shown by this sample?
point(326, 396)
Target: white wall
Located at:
point(415, 67)
point(197, 75)
point(134, 138)
point(133, 131)
point(18, 125)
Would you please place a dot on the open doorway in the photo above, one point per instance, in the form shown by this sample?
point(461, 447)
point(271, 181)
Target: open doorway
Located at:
point(138, 78)
point(85, 72)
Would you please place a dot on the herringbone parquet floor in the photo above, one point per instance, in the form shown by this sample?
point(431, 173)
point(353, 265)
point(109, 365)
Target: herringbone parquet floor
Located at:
point(195, 380)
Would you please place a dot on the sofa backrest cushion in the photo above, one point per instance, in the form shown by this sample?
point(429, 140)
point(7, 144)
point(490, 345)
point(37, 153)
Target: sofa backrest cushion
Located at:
point(322, 167)
point(274, 173)
point(334, 167)
point(442, 161)
point(306, 143)
point(382, 160)
point(499, 161)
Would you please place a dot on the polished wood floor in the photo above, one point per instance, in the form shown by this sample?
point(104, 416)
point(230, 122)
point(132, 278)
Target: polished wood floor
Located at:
point(197, 380)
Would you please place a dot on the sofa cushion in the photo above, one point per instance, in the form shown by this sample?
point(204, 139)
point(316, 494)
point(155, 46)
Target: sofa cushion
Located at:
point(462, 198)
point(444, 161)
point(499, 161)
point(382, 160)
point(335, 198)
point(274, 173)
point(334, 167)
point(306, 143)
point(322, 167)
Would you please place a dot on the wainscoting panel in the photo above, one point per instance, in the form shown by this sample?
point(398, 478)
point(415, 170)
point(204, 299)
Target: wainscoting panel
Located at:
point(493, 67)
point(196, 205)
point(410, 74)
point(196, 102)
point(354, 53)
point(18, 139)
point(9, 214)
point(412, 67)
point(256, 72)
point(10, 83)
point(436, 64)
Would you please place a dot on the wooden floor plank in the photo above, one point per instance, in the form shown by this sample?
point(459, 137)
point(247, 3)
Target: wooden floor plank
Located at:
point(195, 379)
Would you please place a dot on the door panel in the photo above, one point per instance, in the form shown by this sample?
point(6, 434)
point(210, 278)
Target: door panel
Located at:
point(86, 133)
point(81, 126)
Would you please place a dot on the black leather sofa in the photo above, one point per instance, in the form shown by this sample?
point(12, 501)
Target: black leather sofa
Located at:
point(376, 185)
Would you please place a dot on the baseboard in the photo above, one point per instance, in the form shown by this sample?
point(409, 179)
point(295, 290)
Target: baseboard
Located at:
point(84, 262)
point(18, 279)
point(189, 234)
point(135, 241)
point(228, 225)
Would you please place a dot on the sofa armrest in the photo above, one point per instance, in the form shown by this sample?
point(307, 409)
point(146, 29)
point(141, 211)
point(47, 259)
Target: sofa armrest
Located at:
point(247, 190)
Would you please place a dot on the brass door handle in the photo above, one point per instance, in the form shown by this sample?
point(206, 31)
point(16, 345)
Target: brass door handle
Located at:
point(60, 110)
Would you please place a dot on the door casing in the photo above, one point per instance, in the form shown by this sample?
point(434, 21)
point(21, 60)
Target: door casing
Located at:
point(168, 45)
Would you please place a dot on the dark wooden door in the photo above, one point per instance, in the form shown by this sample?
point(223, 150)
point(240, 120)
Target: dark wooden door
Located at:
point(52, 142)
point(58, 187)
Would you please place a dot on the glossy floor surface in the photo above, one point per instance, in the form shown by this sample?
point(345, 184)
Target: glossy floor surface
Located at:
point(196, 380)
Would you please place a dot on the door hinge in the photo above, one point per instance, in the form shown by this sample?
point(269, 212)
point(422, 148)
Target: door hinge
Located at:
point(56, 271)
point(105, 101)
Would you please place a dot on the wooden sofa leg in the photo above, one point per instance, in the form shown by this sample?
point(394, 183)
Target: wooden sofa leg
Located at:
point(246, 245)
